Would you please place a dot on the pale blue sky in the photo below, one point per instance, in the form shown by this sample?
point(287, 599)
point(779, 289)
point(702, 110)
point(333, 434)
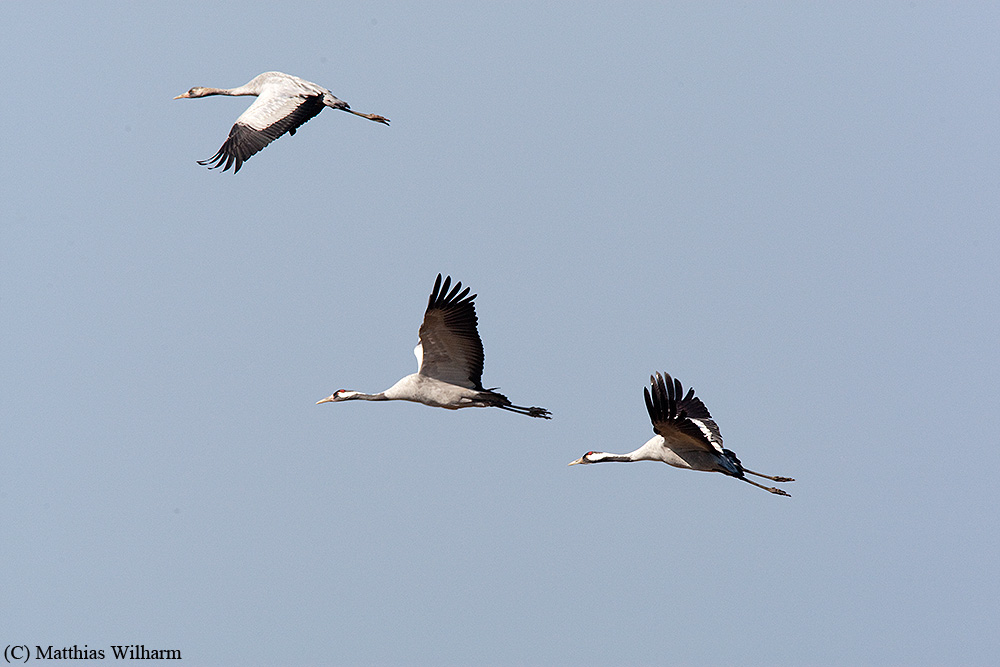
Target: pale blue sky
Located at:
point(791, 207)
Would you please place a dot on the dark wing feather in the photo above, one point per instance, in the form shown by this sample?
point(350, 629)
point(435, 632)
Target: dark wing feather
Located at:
point(245, 140)
point(678, 418)
point(451, 348)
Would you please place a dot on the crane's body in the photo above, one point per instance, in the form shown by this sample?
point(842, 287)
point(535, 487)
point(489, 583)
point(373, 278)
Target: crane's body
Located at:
point(686, 436)
point(657, 449)
point(449, 360)
point(284, 102)
point(429, 391)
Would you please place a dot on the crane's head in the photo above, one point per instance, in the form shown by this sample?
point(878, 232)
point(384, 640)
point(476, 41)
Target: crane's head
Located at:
point(586, 458)
point(339, 395)
point(197, 91)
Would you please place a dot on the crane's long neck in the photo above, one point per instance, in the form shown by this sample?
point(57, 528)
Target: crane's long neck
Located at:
point(606, 457)
point(652, 450)
point(232, 92)
point(351, 395)
point(360, 396)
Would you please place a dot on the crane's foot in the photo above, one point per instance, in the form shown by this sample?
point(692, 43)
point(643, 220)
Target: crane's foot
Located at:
point(779, 492)
point(539, 412)
point(783, 479)
point(377, 118)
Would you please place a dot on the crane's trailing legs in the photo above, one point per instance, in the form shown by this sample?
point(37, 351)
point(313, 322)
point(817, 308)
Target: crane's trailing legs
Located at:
point(772, 489)
point(773, 479)
point(490, 398)
point(531, 412)
point(369, 116)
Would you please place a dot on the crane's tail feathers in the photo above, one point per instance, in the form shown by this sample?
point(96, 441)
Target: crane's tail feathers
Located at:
point(369, 116)
point(770, 477)
point(531, 412)
point(771, 489)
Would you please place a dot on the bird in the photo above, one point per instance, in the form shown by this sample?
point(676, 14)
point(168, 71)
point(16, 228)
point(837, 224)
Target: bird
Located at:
point(284, 102)
point(449, 360)
point(686, 436)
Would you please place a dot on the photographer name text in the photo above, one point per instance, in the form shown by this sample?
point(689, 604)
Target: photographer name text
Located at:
point(24, 652)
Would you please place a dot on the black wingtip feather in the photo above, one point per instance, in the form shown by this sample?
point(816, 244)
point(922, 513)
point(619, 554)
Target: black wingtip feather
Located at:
point(666, 401)
point(444, 294)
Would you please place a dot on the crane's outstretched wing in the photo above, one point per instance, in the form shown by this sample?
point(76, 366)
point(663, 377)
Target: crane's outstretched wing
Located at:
point(450, 348)
point(683, 421)
point(271, 115)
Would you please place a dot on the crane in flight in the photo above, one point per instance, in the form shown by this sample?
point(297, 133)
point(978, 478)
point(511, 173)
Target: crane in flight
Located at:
point(449, 358)
point(284, 102)
point(686, 436)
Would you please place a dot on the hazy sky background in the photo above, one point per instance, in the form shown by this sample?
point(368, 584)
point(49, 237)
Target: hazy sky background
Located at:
point(791, 207)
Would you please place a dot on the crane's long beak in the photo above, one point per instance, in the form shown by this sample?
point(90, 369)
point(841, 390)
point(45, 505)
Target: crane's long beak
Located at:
point(573, 463)
point(181, 96)
point(328, 399)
